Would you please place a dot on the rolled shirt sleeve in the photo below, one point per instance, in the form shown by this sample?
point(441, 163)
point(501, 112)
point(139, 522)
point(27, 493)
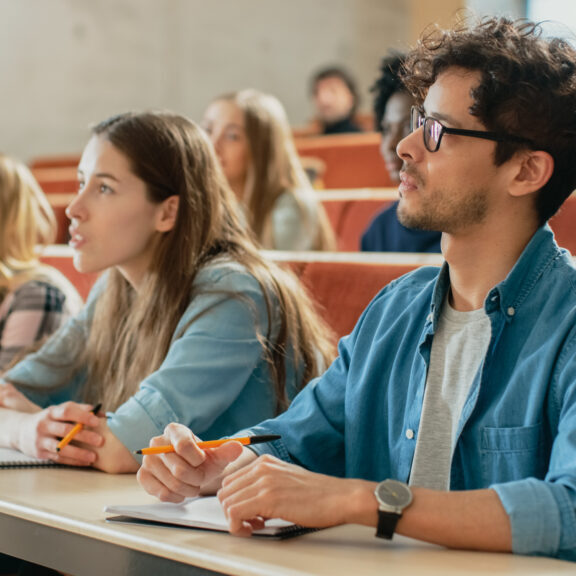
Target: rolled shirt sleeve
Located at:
point(313, 429)
point(542, 512)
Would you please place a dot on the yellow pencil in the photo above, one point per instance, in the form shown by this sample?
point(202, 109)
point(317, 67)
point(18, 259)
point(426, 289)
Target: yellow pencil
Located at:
point(211, 444)
point(70, 436)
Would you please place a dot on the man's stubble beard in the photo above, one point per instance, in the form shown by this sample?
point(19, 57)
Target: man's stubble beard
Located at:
point(440, 211)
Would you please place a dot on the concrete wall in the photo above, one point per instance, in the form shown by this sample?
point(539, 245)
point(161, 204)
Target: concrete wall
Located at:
point(510, 8)
point(65, 64)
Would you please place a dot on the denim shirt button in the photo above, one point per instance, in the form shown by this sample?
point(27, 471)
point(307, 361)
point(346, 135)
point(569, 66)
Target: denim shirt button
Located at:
point(511, 311)
point(409, 433)
point(430, 317)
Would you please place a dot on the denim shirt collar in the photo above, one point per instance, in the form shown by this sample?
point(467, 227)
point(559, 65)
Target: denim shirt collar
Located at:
point(508, 296)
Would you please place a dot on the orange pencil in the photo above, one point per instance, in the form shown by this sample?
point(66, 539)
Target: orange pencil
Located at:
point(70, 436)
point(211, 444)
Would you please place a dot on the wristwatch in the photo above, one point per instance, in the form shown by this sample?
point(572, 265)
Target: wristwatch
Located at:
point(393, 497)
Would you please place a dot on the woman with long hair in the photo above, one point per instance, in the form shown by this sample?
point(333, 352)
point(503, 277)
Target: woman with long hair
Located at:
point(35, 299)
point(254, 145)
point(189, 323)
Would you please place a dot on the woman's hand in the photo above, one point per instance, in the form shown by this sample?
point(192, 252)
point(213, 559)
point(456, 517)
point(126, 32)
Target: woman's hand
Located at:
point(13, 399)
point(39, 434)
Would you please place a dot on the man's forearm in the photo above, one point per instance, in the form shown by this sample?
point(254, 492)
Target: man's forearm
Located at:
point(472, 519)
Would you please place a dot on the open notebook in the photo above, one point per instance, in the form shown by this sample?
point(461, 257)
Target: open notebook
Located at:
point(14, 459)
point(205, 513)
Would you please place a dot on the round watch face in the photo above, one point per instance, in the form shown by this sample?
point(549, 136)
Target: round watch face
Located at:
point(392, 494)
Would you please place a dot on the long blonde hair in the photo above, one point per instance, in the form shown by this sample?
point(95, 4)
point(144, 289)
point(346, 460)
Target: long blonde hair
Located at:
point(26, 221)
point(275, 167)
point(131, 332)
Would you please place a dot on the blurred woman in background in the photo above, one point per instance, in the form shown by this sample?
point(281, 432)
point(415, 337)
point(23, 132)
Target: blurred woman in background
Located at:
point(35, 299)
point(253, 142)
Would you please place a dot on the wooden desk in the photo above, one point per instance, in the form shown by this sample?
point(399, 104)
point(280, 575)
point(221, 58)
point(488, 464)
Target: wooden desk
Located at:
point(54, 517)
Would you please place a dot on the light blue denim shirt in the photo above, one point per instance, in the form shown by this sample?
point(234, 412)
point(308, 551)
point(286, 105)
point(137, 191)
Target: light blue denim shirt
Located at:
point(517, 430)
point(214, 378)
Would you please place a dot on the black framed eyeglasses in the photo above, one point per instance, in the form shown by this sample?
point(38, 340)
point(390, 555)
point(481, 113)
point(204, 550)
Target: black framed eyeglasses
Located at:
point(434, 130)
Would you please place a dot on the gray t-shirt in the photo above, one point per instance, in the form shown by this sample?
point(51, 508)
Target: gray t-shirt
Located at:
point(458, 349)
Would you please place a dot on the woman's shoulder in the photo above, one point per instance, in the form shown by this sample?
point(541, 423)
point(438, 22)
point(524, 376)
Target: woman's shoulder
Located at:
point(225, 289)
point(224, 273)
point(295, 199)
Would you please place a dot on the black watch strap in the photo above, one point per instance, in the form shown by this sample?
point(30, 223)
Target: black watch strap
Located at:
point(387, 524)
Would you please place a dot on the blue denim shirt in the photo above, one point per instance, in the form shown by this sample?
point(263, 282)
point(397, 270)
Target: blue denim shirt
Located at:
point(517, 430)
point(215, 377)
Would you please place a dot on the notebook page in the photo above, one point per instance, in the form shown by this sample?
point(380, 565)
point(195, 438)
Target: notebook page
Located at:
point(204, 512)
point(14, 459)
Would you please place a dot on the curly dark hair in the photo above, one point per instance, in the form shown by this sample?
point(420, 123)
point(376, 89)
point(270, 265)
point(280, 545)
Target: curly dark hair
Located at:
point(388, 83)
point(527, 88)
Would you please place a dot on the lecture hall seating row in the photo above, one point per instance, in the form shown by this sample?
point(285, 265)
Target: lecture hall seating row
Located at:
point(341, 284)
point(350, 160)
point(346, 160)
point(57, 180)
point(349, 212)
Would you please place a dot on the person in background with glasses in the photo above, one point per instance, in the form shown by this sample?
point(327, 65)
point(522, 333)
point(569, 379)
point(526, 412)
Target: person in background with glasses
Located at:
point(392, 103)
point(450, 414)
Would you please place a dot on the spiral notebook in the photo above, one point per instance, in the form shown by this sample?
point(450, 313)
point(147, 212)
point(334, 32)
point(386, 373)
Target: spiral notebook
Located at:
point(13, 459)
point(203, 513)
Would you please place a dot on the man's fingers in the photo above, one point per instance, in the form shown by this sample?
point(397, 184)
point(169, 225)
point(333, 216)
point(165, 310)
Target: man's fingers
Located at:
point(244, 515)
point(223, 455)
point(159, 481)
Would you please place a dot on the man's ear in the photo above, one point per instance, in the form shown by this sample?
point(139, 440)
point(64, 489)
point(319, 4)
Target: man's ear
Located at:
point(167, 214)
point(534, 169)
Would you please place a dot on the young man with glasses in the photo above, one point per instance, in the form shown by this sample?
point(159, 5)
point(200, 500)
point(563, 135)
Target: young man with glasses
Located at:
point(450, 413)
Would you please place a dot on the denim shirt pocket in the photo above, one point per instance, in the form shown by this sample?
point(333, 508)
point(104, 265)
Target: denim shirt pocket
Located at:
point(509, 454)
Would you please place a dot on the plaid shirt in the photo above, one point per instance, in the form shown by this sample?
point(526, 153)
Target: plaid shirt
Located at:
point(35, 310)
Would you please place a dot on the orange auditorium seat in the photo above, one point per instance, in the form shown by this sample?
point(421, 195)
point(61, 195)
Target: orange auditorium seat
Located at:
point(59, 202)
point(351, 211)
point(60, 257)
point(57, 180)
point(60, 161)
point(342, 285)
point(351, 160)
point(564, 225)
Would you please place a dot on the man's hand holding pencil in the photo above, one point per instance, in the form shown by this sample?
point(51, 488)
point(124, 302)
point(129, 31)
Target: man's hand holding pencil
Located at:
point(188, 470)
